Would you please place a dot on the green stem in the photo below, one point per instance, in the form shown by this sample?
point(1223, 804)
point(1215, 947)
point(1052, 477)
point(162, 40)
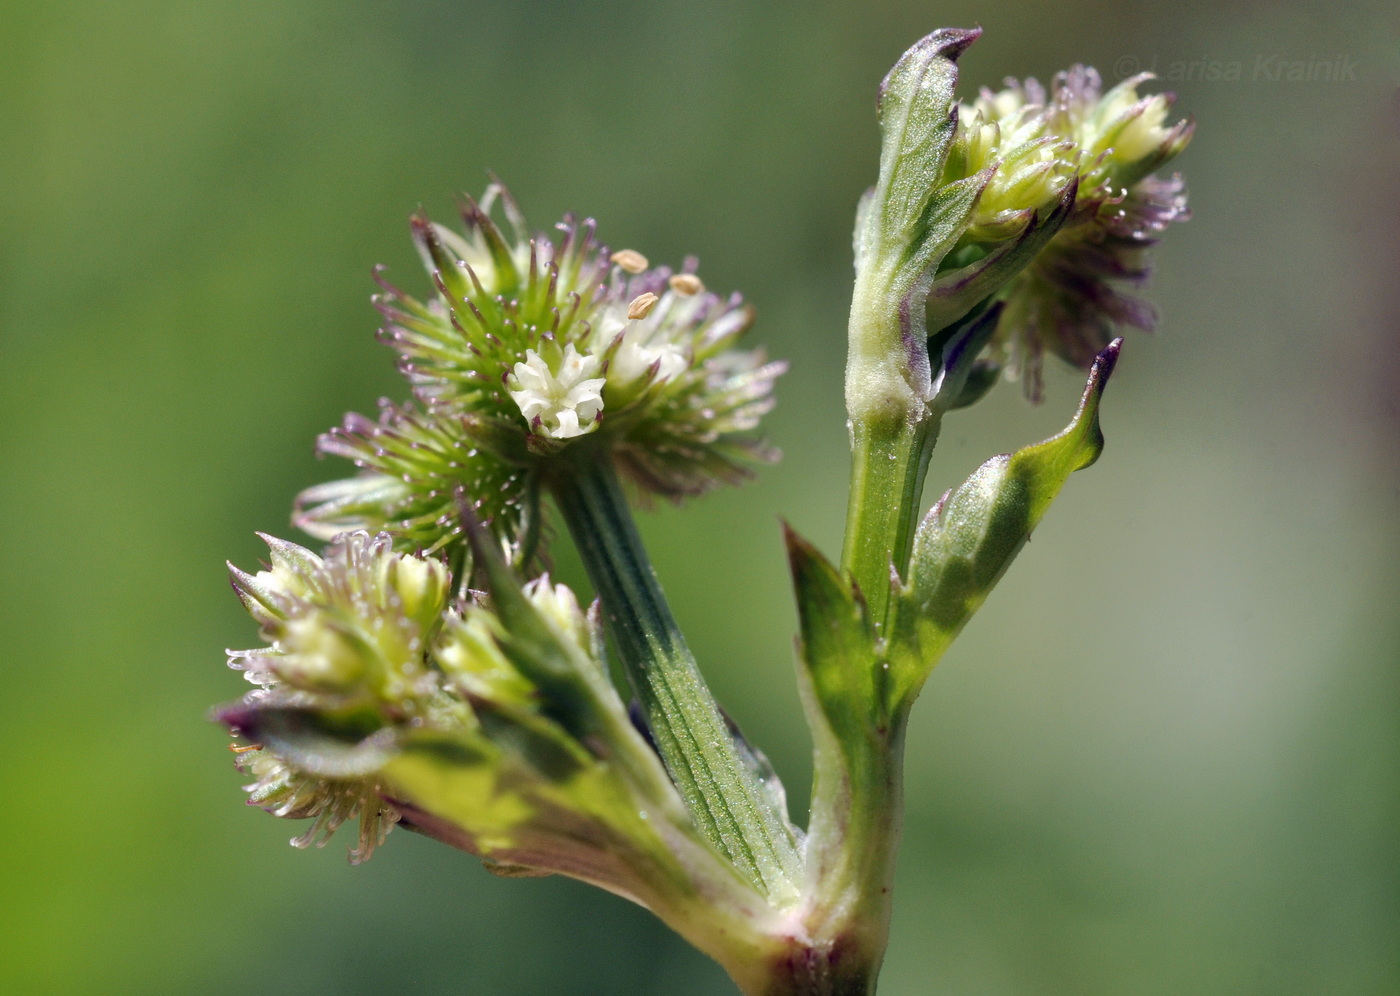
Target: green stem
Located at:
point(889, 461)
point(857, 813)
point(720, 789)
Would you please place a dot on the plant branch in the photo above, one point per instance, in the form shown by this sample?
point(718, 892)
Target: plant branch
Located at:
point(720, 789)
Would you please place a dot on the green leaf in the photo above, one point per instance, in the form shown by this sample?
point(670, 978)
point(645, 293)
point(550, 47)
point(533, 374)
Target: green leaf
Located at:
point(917, 118)
point(493, 796)
point(836, 644)
point(350, 745)
point(905, 227)
point(970, 537)
point(588, 823)
point(858, 749)
point(942, 223)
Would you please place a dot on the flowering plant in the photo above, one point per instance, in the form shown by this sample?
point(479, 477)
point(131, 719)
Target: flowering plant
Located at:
point(424, 671)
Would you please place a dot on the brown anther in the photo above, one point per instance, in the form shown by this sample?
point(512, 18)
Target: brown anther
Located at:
point(686, 284)
point(630, 260)
point(641, 305)
point(244, 748)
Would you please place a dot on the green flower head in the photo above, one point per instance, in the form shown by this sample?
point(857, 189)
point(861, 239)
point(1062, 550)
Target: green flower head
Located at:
point(1000, 230)
point(533, 346)
point(367, 656)
point(1100, 150)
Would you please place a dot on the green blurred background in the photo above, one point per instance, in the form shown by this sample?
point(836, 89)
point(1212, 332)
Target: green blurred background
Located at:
point(1165, 758)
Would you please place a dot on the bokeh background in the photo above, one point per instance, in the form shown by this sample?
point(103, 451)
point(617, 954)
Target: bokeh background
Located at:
point(1164, 759)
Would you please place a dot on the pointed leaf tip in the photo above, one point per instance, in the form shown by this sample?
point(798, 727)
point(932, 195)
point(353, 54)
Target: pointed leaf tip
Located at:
point(965, 544)
point(945, 44)
point(1083, 433)
point(949, 42)
point(1104, 364)
point(815, 576)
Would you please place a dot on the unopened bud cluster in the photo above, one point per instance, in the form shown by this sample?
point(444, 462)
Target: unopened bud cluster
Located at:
point(377, 685)
point(1069, 300)
point(1000, 230)
point(348, 638)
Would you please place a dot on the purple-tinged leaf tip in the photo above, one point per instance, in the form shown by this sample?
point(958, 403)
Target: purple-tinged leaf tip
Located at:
point(947, 42)
point(1103, 368)
point(944, 43)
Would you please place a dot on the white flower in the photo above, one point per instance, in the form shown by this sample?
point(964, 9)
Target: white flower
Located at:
point(647, 341)
point(562, 405)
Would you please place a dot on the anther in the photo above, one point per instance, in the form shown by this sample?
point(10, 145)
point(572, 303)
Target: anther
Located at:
point(641, 305)
point(630, 260)
point(686, 284)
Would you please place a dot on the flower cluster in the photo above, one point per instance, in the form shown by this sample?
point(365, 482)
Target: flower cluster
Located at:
point(495, 728)
point(532, 346)
point(1104, 147)
point(347, 640)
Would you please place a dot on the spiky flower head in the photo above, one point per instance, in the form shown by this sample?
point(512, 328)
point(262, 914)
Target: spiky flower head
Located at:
point(347, 628)
point(532, 346)
point(1101, 146)
point(348, 635)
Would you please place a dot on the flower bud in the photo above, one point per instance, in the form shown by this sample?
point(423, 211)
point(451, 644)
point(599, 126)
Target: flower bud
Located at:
point(1057, 264)
point(354, 625)
point(318, 656)
point(422, 585)
point(500, 732)
point(557, 605)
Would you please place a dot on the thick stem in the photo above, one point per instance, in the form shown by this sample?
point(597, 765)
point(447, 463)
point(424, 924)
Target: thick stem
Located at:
point(858, 793)
point(857, 814)
point(720, 790)
point(889, 461)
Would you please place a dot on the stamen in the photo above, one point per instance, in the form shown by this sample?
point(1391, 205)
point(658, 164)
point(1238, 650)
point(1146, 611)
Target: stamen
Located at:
point(630, 260)
point(686, 284)
point(641, 305)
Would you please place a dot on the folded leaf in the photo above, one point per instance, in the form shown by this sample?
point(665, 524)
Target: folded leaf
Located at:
point(972, 534)
point(842, 683)
point(918, 119)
